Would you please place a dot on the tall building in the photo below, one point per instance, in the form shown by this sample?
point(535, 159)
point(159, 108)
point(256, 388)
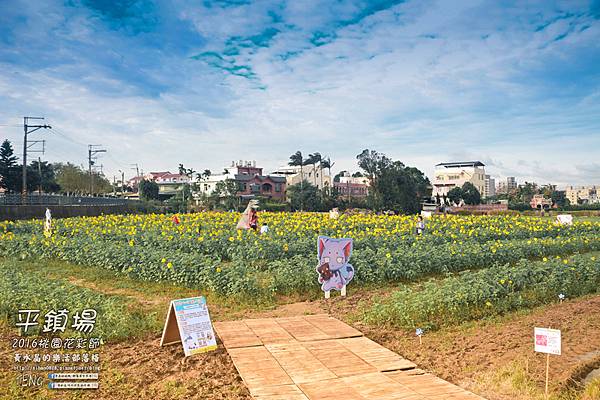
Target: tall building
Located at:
point(583, 194)
point(490, 186)
point(511, 183)
point(507, 186)
point(455, 174)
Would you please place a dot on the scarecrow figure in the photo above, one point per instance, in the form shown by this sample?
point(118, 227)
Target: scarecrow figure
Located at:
point(48, 223)
point(249, 218)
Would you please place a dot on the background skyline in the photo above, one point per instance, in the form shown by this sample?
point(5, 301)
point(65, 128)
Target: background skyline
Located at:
point(516, 87)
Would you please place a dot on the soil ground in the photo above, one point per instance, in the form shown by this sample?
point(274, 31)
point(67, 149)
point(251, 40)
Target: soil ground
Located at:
point(485, 356)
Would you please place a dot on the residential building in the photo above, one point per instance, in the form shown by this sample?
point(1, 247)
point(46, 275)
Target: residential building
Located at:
point(490, 186)
point(270, 186)
point(583, 194)
point(294, 174)
point(250, 180)
point(360, 180)
point(351, 186)
point(539, 202)
point(455, 174)
point(351, 189)
point(152, 176)
point(508, 186)
point(170, 184)
point(134, 182)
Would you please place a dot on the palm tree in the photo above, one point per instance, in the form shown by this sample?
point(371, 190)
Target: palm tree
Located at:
point(296, 159)
point(326, 163)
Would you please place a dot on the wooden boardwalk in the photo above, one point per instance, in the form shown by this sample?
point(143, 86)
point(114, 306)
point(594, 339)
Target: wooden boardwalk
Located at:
point(318, 357)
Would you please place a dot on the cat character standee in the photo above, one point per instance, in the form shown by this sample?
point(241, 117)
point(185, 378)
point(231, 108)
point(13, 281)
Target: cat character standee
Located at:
point(334, 270)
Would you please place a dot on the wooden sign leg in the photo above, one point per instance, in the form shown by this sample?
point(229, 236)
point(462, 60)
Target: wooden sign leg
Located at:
point(547, 370)
point(327, 294)
point(344, 291)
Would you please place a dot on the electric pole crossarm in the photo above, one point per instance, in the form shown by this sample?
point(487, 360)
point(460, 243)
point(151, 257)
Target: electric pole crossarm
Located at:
point(28, 129)
point(92, 151)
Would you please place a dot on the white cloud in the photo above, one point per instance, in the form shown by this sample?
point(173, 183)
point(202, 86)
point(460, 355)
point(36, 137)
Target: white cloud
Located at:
point(424, 82)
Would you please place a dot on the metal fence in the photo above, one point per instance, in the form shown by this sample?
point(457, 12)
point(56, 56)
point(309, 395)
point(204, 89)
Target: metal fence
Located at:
point(59, 200)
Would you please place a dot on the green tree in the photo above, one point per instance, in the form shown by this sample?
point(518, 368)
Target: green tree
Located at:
point(101, 184)
point(297, 160)
point(148, 190)
point(9, 169)
point(47, 181)
point(225, 195)
point(559, 197)
point(455, 195)
point(470, 194)
point(337, 176)
point(326, 163)
point(72, 179)
point(526, 192)
point(372, 163)
point(393, 185)
point(305, 196)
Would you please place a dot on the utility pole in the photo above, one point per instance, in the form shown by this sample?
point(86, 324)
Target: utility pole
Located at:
point(137, 175)
point(92, 151)
point(137, 169)
point(40, 173)
point(27, 129)
point(122, 183)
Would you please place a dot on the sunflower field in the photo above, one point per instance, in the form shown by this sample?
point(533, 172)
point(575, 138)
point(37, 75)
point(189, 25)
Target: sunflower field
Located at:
point(204, 250)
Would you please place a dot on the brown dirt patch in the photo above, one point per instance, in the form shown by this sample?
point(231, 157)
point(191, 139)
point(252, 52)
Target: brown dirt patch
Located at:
point(143, 370)
point(462, 355)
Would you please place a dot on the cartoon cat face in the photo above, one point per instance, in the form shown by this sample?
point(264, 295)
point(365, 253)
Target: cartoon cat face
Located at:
point(335, 252)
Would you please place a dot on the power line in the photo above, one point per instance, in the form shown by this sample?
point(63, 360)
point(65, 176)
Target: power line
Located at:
point(29, 129)
point(65, 136)
point(93, 149)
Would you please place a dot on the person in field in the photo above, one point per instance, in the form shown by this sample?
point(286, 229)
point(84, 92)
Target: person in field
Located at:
point(249, 218)
point(264, 228)
point(253, 219)
point(420, 225)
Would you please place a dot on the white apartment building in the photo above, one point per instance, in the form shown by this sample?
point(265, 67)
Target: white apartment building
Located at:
point(317, 176)
point(358, 180)
point(508, 186)
point(236, 168)
point(583, 194)
point(455, 174)
point(490, 186)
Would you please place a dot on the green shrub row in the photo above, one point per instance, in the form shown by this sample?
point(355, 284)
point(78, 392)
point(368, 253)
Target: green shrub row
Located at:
point(492, 291)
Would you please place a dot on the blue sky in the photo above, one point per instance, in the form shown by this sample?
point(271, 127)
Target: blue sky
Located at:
point(513, 84)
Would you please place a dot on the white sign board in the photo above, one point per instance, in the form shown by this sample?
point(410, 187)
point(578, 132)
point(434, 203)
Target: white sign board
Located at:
point(193, 322)
point(564, 219)
point(547, 340)
point(426, 214)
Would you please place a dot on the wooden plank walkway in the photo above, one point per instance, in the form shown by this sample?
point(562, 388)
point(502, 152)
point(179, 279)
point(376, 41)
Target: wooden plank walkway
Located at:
point(318, 357)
